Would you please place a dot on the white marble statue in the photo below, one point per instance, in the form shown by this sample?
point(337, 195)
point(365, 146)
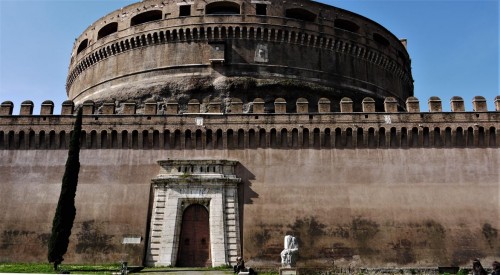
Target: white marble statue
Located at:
point(289, 254)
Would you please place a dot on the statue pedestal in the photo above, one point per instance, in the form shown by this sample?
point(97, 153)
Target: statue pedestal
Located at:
point(288, 271)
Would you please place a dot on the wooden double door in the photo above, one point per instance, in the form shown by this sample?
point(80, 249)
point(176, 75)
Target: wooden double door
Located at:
point(194, 242)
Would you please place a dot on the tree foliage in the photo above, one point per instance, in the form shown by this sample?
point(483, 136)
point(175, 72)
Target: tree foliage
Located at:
point(66, 211)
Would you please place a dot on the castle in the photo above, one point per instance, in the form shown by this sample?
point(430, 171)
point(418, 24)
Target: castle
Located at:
point(214, 128)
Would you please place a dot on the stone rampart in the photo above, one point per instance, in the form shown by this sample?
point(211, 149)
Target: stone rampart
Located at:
point(162, 126)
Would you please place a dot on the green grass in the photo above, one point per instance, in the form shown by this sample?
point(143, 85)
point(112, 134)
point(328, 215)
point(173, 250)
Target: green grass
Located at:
point(48, 268)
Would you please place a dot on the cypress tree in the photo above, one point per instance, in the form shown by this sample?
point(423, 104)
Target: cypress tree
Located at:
point(66, 211)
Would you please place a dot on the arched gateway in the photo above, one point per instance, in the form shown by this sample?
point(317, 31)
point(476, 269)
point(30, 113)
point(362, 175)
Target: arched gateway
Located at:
point(194, 219)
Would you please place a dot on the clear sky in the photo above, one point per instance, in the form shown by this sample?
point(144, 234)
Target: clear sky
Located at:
point(453, 44)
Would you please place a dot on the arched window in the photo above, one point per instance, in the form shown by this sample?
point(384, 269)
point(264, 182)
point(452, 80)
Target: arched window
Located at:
point(62, 140)
point(360, 142)
point(262, 138)
point(300, 14)
point(107, 30)
point(316, 138)
point(346, 25)
point(241, 138)
point(327, 138)
point(438, 142)
point(198, 139)
point(114, 139)
point(371, 138)
point(145, 17)
point(187, 139)
point(218, 139)
point(135, 139)
point(284, 138)
point(104, 139)
point(83, 45)
point(222, 8)
point(125, 140)
point(177, 139)
point(146, 143)
point(230, 139)
point(208, 139)
point(251, 138)
point(272, 138)
point(381, 40)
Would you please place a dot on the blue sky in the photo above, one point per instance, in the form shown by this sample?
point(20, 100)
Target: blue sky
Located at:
point(454, 45)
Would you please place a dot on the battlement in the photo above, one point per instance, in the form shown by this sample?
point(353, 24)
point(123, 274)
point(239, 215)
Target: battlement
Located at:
point(228, 126)
point(235, 106)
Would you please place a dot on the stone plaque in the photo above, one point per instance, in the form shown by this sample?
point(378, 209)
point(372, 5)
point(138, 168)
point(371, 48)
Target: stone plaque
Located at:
point(288, 271)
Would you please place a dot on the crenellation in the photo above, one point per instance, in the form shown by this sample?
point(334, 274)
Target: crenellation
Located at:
point(457, 104)
point(390, 105)
point(258, 105)
point(368, 105)
point(479, 104)
point(346, 105)
point(302, 106)
point(324, 105)
point(129, 108)
point(435, 104)
point(6, 108)
point(88, 107)
point(150, 107)
point(68, 107)
point(47, 108)
point(26, 108)
point(280, 105)
point(108, 108)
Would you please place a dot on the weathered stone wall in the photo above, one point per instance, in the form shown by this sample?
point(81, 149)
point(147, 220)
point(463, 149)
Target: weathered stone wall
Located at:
point(368, 207)
point(366, 189)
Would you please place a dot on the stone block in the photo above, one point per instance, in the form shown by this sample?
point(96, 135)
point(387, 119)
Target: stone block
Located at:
point(6, 108)
point(302, 105)
point(88, 107)
point(26, 108)
point(215, 106)
point(390, 105)
point(324, 105)
point(280, 105)
point(67, 108)
point(258, 105)
point(193, 106)
point(435, 104)
point(236, 106)
point(412, 105)
point(479, 104)
point(150, 107)
point(368, 105)
point(129, 108)
point(108, 108)
point(346, 105)
point(47, 108)
point(457, 104)
point(172, 107)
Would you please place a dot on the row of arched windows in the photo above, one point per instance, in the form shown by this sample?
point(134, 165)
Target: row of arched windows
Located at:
point(236, 32)
point(415, 137)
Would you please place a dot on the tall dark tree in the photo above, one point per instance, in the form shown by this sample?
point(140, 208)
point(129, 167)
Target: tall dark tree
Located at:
point(66, 211)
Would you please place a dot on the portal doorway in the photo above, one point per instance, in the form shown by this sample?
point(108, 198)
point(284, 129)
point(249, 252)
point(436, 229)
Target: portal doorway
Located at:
point(194, 242)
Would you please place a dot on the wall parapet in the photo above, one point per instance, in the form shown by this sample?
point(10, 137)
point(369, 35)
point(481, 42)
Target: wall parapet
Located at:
point(237, 130)
point(234, 106)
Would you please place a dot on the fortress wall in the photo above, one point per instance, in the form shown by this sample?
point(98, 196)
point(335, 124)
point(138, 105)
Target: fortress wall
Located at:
point(369, 207)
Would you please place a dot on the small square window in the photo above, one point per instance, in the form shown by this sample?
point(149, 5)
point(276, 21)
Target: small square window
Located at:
point(185, 10)
point(261, 9)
